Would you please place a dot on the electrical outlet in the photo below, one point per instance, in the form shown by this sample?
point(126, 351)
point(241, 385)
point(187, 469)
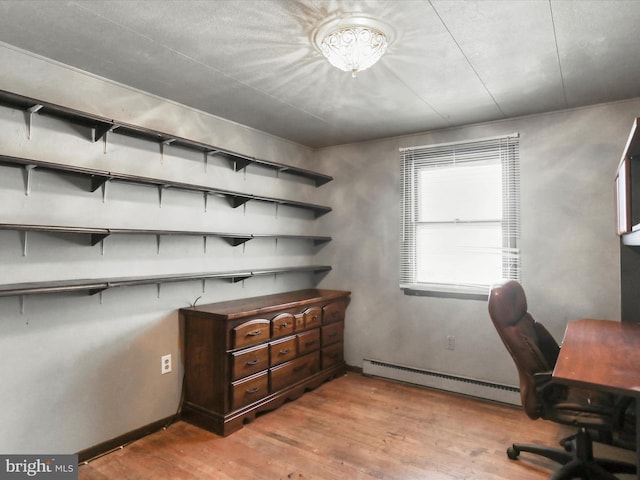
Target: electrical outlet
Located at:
point(165, 364)
point(451, 342)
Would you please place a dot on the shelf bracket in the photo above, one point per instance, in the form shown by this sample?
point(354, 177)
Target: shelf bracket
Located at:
point(158, 286)
point(158, 244)
point(206, 198)
point(235, 201)
point(98, 237)
point(234, 241)
point(163, 144)
point(22, 303)
point(29, 117)
point(101, 130)
point(240, 163)
point(204, 244)
point(98, 181)
point(25, 237)
point(104, 192)
point(160, 189)
point(204, 282)
point(239, 278)
point(97, 290)
point(28, 169)
point(104, 135)
point(206, 157)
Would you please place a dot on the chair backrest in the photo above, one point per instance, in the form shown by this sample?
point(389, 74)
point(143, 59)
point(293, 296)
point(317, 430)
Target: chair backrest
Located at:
point(531, 346)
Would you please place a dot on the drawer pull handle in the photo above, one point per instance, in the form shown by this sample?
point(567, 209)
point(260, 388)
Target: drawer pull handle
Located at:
point(315, 318)
point(284, 352)
point(252, 390)
point(284, 325)
point(299, 368)
point(255, 333)
point(334, 314)
point(309, 343)
point(255, 361)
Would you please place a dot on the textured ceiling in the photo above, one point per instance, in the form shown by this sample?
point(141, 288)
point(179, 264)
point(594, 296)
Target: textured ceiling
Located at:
point(252, 61)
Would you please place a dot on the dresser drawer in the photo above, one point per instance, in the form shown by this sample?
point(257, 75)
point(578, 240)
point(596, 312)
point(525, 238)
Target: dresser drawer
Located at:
point(308, 341)
point(250, 333)
point(283, 350)
point(312, 317)
point(293, 371)
point(299, 321)
point(249, 361)
point(282, 325)
point(332, 333)
point(332, 355)
point(249, 390)
point(334, 312)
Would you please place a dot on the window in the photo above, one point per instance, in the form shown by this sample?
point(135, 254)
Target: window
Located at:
point(460, 215)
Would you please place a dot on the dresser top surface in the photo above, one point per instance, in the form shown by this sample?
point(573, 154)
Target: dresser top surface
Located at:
point(267, 303)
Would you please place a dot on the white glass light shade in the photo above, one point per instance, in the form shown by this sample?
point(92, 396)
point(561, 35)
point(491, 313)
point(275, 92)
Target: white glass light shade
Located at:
point(354, 49)
point(352, 42)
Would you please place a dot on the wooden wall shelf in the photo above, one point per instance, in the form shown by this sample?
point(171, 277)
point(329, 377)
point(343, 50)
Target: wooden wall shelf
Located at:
point(99, 234)
point(93, 286)
point(102, 126)
point(99, 178)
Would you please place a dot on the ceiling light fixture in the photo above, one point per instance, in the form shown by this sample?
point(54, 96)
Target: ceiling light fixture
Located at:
point(352, 42)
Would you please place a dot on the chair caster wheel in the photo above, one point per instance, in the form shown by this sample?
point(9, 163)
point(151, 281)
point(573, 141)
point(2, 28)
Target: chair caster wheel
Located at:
point(512, 453)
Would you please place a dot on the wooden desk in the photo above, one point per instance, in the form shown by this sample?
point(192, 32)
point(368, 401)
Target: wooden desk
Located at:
point(603, 355)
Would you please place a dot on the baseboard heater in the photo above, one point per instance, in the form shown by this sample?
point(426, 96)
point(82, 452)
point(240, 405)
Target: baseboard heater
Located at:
point(442, 381)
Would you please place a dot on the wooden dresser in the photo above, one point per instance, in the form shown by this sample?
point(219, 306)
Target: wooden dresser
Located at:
point(246, 356)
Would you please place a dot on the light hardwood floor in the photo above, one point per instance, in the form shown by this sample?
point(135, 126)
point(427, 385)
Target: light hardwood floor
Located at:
point(351, 428)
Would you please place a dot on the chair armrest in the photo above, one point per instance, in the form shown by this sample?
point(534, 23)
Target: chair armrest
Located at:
point(587, 408)
point(542, 379)
point(548, 392)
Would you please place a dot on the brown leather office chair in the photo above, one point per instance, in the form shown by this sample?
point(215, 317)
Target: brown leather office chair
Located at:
point(534, 350)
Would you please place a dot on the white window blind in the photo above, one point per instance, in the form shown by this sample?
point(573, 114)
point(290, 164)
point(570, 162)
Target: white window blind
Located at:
point(460, 215)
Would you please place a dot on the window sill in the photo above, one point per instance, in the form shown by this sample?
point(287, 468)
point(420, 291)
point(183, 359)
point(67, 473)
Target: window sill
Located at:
point(447, 291)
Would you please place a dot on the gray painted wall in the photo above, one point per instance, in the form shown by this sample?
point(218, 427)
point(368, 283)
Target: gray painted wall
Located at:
point(570, 252)
point(79, 370)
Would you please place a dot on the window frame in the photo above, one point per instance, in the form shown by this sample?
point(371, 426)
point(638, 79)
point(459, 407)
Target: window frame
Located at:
point(503, 148)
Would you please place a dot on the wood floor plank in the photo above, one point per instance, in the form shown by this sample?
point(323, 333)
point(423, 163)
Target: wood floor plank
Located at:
point(354, 427)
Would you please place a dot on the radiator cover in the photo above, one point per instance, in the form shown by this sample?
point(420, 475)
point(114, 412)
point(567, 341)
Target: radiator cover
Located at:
point(442, 381)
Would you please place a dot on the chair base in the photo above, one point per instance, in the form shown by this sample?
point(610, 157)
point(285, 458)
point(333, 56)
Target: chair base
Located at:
point(576, 459)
